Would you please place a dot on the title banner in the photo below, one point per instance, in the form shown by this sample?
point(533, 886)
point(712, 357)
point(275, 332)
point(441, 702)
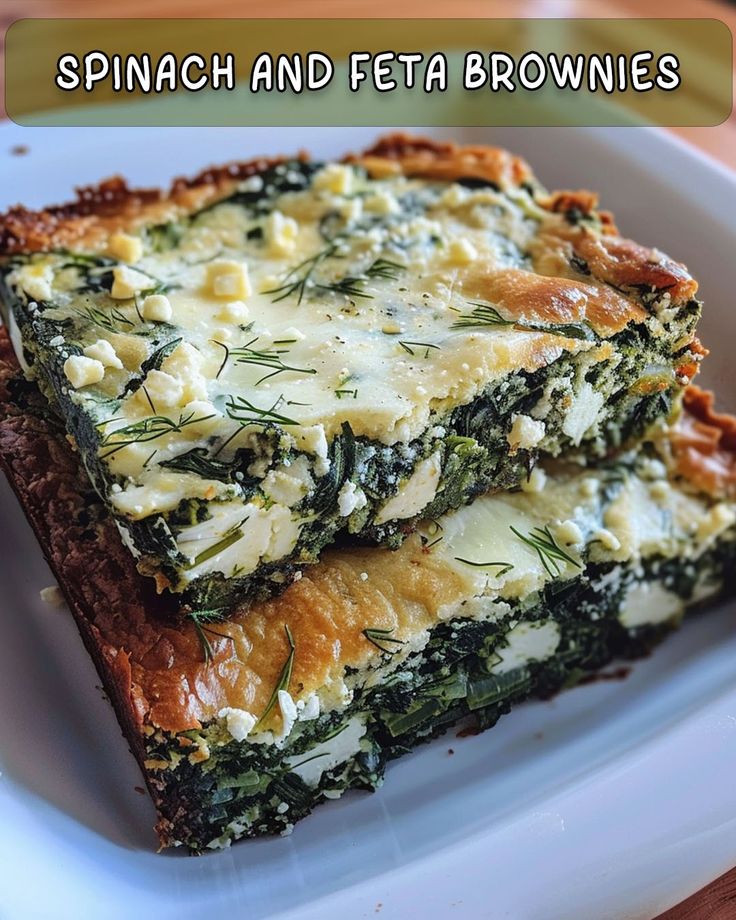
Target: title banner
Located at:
point(368, 72)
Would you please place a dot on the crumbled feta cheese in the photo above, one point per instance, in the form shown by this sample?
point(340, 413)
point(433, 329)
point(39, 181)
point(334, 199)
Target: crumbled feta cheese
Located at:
point(569, 533)
point(82, 371)
point(227, 278)
point(583, 413)
point(234, 312)
point(334, 178)
point(125, 247)
point(525, 433)
point(281, 233)
point(239, 722)
point(127, 282)
point(607, 539)
point(461, 252)
point(288, 486)
point(159, 390)
point(52, 596)
point(659, 490)
point(590, 486)
point(415, 493)
point(453, 196)
point(185, 363)
point(288, 713)
point(350, 498)
point(35, 279)
point(381, 202)
point(652, 468)
point(103, 352)
point(309, 708)
point(157, 308)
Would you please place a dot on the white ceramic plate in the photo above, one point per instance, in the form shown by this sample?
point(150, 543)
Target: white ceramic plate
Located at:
point(614, 800)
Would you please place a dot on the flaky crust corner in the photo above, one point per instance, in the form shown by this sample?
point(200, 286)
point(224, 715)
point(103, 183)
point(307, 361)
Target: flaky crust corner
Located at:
point(704, 445)
point(100, 210)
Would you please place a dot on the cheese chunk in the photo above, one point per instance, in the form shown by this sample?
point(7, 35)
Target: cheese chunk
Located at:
point(228, 278)
point(82, 371)
point(125, 247)
point(103, 352)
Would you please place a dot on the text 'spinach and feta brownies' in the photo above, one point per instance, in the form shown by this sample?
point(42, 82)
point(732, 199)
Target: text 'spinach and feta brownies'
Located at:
point(417, 347)
point(281, 352)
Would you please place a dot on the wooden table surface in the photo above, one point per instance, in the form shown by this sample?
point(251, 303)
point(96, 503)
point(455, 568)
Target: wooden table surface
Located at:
point(718, 900)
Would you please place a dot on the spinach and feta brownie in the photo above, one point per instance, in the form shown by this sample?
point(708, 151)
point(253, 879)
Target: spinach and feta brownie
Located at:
point(242, 725)
point(278, 352)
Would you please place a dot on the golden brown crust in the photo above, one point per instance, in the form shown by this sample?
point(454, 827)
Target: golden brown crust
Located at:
point(526, 297)
point(100, 210)
point(609, 258)
point(704, 445)
point(428, 159)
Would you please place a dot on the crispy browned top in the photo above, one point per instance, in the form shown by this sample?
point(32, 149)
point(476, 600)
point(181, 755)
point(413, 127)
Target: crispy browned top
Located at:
point(100, 210)
point(530, 298)
point(704, 444)
point(427, 159)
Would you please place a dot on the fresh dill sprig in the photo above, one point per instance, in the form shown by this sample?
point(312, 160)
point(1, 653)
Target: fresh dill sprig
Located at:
point(504, 567)
point(109, 321)
point(386, 269)
point(482, 314)
point(298, 279)
point(240, 410)
point(284, 678)
point(410, 346)
point(550, 554)
point(200, 617)
point(268, 357)
point(350, 286)
point(380, 638)
point(147, 429)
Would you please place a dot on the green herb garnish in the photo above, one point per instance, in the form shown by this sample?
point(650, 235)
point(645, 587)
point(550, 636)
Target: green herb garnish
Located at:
point(240, 410)
point(270, 358)
point(198, 618)
point(482, 315)
point(283, 680)
point(298, 279)
point(550, 554)
point(410, 346)
point(384, 268)
point(380, 637)
point(147, 429)
point(504, 567)
point(109, 321)
point(232, 536)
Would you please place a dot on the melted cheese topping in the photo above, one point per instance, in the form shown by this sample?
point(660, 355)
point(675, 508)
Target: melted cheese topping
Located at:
point(333, 298)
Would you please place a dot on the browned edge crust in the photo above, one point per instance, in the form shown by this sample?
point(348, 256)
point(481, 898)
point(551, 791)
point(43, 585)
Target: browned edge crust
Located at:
point(112, 205)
